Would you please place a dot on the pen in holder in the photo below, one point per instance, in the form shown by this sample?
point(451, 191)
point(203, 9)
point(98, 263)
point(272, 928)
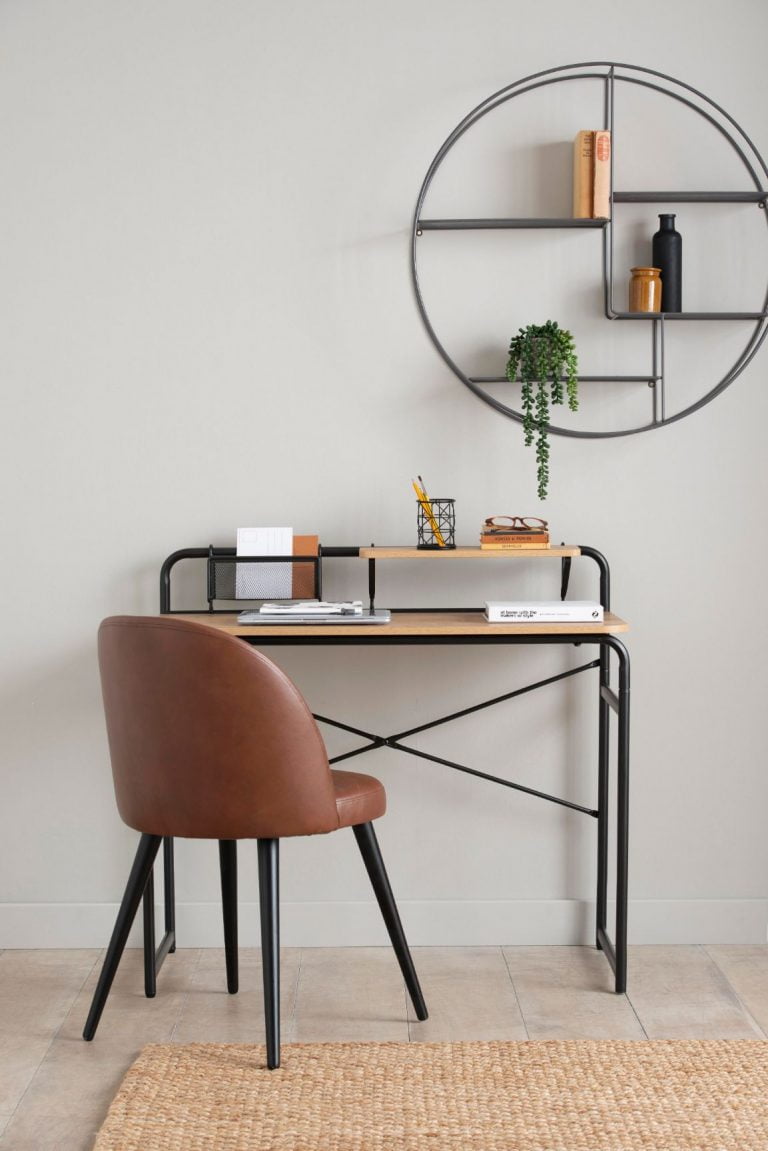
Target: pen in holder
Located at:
point(435, 524)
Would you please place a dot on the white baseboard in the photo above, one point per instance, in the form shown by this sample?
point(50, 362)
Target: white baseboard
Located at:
point(428, 923)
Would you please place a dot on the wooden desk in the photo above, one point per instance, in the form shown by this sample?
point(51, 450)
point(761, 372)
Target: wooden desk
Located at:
point(418, 626)
point(456, 627)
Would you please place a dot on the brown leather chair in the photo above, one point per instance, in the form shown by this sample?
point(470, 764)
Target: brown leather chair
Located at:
point(210, 740)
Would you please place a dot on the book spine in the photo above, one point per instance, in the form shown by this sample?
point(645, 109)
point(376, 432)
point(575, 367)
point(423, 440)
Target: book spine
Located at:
point(515, 538)
point(303, 574)
point(583, 174)
point(535, 615)
point(513, 547)
point(601, 195)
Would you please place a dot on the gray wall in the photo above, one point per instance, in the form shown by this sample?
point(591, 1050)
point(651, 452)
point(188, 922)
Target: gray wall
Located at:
point(207, 321)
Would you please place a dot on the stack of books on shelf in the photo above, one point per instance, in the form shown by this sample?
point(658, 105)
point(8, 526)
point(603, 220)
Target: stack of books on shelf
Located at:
point(513, 539)
point(592, 175)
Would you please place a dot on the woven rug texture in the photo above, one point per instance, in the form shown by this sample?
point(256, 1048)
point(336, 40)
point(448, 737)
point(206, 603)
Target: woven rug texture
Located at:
point(552, 1095)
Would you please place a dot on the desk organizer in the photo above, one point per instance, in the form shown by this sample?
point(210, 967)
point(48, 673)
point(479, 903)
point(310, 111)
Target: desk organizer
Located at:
point(222, 575)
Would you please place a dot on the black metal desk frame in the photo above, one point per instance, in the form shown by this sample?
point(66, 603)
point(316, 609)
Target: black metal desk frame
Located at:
point(608, 700)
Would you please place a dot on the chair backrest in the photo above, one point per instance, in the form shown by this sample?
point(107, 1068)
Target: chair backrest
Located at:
point(208, 738)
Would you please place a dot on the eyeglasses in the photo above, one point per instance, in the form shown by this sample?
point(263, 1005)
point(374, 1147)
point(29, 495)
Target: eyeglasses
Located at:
point(516, 523)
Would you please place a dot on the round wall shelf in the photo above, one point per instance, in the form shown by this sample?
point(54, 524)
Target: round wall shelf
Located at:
point(610, 76)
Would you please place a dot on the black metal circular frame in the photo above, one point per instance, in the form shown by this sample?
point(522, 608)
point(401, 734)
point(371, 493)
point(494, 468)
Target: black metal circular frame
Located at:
point(609, 74)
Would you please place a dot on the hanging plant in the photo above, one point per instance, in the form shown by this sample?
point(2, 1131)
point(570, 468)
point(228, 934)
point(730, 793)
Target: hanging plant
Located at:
point(543, 357)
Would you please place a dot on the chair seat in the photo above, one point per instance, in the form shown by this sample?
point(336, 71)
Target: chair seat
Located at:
point(359, 798)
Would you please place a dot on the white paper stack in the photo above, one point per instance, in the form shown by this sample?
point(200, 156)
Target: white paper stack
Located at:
point(264, 581)
point(313, 607)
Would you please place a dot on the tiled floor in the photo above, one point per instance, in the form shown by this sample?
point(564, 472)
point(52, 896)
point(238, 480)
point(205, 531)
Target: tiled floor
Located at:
point(55, 1088)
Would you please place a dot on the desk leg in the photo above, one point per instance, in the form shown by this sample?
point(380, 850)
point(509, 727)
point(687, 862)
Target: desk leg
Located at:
point(622, 816)
point(150, 972)
point(616, 952)
point(170, 894)
point(602, 796)
point(153, 958)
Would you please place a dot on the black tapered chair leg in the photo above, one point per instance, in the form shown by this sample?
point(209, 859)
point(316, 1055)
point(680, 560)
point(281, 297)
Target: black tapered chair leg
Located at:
point(269, 902)
point(137, 881)
point(150, 966)
point(228, 867)
point(369, 849)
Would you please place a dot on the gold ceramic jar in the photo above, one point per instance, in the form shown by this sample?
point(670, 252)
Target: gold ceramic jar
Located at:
point(645, 290)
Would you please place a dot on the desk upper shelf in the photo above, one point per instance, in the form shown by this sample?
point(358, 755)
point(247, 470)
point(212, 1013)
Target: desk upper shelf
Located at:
point(463, 553)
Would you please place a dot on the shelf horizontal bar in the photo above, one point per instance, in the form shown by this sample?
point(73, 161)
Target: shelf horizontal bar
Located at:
point(522, 222)
point(690, 197)
point(647, 379)
point(689, 315)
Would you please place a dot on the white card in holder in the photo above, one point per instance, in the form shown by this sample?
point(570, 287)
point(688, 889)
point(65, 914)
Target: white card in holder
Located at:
point(264, 581)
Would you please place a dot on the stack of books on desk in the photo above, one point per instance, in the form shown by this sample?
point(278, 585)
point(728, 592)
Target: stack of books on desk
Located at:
point(507, 539)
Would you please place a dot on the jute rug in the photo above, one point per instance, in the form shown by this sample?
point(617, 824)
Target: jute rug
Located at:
point(533, 1096)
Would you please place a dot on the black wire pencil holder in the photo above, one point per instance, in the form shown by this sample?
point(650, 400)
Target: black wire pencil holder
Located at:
point(435, 524)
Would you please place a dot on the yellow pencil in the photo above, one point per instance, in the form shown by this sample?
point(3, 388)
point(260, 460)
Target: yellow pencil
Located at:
point(427, 506)
point(430, 512)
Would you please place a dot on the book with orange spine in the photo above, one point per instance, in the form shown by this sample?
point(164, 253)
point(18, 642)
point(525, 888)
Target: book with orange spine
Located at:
point(514, 547)
point(514, 537)
point(601, 190)
point(583, 175)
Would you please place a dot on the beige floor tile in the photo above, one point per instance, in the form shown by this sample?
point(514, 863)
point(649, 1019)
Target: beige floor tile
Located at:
point(350, 993)
point(746, 969)
point(210, 973)
point(77, 1079)
point(679, 992)
point(37, 989)
point(36, 983)
point(36, 963)
point(128, 1013)
point(567, 993)
point(128, 1017)
point(20, 1057)
point(37, 1132)
point(174, 973)
point(211, 1015)
point(229, 1019)
point(469, 995)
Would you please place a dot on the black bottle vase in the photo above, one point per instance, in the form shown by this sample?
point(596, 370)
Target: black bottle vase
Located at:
point(668, 257)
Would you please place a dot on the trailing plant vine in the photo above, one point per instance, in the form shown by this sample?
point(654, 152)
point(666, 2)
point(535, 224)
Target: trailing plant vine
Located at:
point(545, 357)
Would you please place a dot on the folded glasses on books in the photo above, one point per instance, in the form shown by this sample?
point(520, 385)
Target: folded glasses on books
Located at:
point(515, 522)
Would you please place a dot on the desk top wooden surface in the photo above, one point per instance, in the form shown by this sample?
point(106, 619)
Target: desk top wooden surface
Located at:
point(407, 623)
point(467, 553)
